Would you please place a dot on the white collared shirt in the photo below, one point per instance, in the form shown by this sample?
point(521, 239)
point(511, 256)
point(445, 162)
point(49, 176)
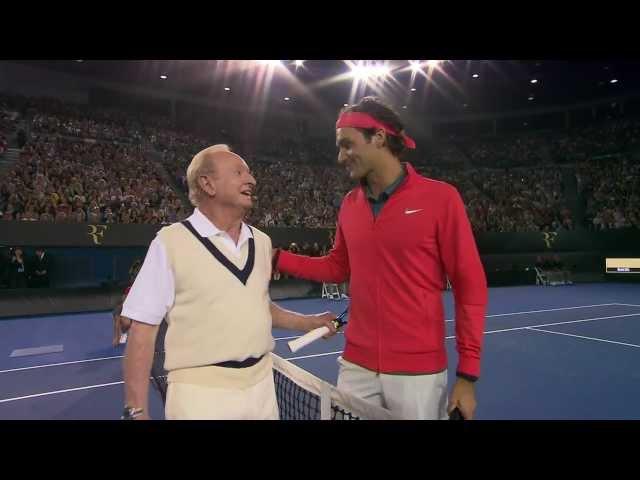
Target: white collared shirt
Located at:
point(153, 292)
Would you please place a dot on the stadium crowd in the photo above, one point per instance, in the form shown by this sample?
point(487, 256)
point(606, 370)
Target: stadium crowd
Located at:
point(80, 165)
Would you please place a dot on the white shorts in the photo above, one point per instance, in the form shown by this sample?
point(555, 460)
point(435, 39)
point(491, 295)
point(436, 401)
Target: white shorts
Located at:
point(187, 401)
point(410, 397)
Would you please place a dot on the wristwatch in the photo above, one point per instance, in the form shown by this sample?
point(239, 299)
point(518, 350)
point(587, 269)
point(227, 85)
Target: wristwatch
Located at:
point(131, 413)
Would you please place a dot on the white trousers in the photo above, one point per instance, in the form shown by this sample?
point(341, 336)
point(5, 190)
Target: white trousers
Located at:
point(188, 401)
point(410, 397)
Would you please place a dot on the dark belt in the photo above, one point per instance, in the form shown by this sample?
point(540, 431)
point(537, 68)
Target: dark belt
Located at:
point(248, 362)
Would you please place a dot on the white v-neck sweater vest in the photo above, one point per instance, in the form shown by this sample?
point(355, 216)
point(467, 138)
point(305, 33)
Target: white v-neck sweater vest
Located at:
point(215, 317)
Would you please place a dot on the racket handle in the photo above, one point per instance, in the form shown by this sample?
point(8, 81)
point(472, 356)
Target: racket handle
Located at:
point(307, 338)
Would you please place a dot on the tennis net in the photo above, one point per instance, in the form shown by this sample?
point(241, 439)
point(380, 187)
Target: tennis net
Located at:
point(300, 394)
point(303, 396)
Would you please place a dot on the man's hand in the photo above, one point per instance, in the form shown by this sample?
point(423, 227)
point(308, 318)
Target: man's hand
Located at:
point(297, 321)
point(324, 319)
point(463, 396)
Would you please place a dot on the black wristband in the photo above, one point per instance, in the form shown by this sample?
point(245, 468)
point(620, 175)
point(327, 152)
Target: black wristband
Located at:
point(466, 376)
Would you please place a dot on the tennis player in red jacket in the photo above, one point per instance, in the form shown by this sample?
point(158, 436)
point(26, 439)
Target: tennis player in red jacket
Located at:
point(399, 236)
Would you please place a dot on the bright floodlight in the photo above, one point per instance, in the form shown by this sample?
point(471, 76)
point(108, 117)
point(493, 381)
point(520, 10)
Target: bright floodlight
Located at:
point(286, 99)
point(163, 77)
point(360, 72)
point(433, 63)
point(533, 80)
point(380, 70)
point(614, 80)
point(299, 63)
point(364, 72)
point(475, 75)
point(415, 65)
point(413, 89)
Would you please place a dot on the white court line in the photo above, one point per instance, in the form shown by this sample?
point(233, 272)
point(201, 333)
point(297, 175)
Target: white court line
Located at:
point(5, 400)
point(294, 337)
point(61, 363)
point(100, 359)
point(586, 338)
point(287, 338)
point(26, 397)
point(530, 327)
point(556, 323)
point(553, 310)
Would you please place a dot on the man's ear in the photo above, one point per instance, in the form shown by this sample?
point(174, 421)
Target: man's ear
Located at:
point(205, 183)
point(379, 138)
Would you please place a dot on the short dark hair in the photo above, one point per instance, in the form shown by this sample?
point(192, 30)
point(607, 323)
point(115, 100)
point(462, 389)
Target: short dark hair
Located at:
point(382, 112)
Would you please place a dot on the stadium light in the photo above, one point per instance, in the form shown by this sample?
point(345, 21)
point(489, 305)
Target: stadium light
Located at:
point(433, 63)
point(286, 99)
point(413, 89)
point(163, 77)
point(415, 65)
point(299, 63)
point(475, 75)
point(380, 70)
point(534, 80)
point(364, 72)
point(614, 80)
point(360, 72)
point(227, 89)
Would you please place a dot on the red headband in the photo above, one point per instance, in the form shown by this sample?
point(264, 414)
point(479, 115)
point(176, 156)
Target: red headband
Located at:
point(363, 120)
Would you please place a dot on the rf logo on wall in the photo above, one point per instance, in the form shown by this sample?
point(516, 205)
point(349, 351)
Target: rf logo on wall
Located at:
point(96, 232)
point(549, 238)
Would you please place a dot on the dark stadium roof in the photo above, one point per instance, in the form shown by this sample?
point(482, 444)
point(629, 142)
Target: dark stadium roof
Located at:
point(451, 89)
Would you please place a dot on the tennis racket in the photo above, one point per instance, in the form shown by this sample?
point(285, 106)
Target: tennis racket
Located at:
point(315, 334)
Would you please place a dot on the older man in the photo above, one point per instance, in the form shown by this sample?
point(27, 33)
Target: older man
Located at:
point(209, 276)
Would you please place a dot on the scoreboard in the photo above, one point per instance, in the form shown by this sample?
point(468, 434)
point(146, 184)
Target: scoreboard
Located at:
point(622, 265)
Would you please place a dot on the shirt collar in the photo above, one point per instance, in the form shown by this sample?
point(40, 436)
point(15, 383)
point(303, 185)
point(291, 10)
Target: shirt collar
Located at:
point(389, 190)
point(206, 228)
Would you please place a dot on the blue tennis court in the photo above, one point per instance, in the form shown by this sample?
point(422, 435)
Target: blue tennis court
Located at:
point(549, 353)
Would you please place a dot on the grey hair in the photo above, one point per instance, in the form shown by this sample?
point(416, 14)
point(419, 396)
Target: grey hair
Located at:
point(197, 167)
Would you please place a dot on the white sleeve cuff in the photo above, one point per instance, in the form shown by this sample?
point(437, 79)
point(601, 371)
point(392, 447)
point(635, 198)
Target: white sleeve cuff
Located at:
point(141, 317)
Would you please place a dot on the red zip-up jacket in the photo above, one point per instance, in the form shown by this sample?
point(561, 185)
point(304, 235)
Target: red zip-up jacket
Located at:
point(396, 264)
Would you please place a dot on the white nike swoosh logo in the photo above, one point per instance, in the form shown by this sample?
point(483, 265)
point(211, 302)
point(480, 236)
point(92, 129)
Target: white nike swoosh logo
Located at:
point(409, 212)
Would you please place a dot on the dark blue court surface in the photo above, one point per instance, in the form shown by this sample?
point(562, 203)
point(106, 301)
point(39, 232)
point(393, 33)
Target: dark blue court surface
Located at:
point(549, 353)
